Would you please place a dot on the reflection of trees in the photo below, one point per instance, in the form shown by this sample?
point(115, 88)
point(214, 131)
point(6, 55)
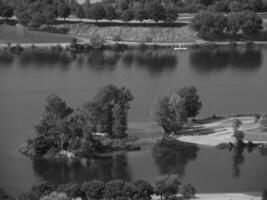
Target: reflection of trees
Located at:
point(155, 62)
point(238, 159)
point(103, 168)
point(99, 59)
point(172, 156)
point(45, 57)
point(210, 60)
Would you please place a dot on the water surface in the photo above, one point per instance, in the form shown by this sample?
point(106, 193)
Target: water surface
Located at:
point(228, 82)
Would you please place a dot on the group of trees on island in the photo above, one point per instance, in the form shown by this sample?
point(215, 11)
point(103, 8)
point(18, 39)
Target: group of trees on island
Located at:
point(167, 187)
point(62, 128)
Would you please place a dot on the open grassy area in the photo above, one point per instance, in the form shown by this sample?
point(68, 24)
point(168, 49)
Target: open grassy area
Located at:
point(17, 34)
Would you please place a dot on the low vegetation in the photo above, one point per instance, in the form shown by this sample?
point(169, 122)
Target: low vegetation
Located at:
point(168, 187)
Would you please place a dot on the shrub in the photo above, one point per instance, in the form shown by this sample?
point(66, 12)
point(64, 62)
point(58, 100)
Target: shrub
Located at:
point(72, 190)
point(94, 190)
point(56, 196)
point(97, 42)
point(116, 38)
point(232, 45)
point(167, 186)
point(143, 190)
point(114, 190)
point(188, 191)
point(250, 44)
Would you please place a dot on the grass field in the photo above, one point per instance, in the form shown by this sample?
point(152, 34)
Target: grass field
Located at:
point(16, 34)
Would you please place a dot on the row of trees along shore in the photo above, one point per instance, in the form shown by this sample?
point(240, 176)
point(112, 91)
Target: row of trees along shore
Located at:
point(167, 187)
point(62, 128)
point(38, 12)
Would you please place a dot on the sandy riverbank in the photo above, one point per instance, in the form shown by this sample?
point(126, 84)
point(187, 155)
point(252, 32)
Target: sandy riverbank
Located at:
point(222, 132)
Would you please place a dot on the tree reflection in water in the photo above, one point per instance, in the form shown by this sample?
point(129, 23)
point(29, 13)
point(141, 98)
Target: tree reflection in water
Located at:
point(172, 156)
point(154, 61)
point(211, 61)
point(104, 168)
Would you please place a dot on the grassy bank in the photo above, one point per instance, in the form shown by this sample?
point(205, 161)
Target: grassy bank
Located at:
point(17, 34)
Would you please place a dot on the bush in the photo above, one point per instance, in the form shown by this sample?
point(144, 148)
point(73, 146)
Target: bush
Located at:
point(232, 45)
point(116, 38)
point(94, 190)
point(72, 190)
point(97, 42)
point(167, 186)
point(115, 190)
point(143, 190)
point(250, 44)
point(188, 191)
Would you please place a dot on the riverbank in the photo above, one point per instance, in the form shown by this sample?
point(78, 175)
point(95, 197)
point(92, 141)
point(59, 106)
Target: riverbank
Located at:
point(221, 131)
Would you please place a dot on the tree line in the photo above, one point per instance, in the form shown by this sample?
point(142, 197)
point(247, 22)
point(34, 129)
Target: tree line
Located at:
point(38, 12)
point(212, 25)
point(167, 187)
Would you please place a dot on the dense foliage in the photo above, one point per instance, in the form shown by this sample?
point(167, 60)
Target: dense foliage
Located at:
point(63, 129)
point(167, 187)
point(210, 24)
point(173, 110)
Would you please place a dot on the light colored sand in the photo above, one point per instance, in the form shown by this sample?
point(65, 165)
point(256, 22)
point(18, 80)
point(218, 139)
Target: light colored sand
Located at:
point(223, 132)
point(224, 196)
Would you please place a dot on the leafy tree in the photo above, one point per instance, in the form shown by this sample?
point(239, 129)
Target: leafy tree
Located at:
point(235, 6)
point(79, 12)
point(37, 20)
point(43, 189)
point(55, 196)
point(94, 189)
point(209, 23)
point(233, 23)
point(236, 125)
point(171, 14)
point(156, 11)
point(251, 23)
point(190, 101)
point(188, 191)
point(167, 186)
point(221, 6)
point(143, 190)
point(127, 15)
point(7, 12)
point(72, 190)
point(115, 190)
point(110, 12)
point(64, 11)
point(97, 11)
point(57, 106)
point(165, 115)
point(263, 122)
point(140, 12)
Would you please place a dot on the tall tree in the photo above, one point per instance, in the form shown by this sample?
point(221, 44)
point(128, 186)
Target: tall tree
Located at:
point(97, 11)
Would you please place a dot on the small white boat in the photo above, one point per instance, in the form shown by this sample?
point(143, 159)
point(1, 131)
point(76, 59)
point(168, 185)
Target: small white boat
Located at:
point(180, 47)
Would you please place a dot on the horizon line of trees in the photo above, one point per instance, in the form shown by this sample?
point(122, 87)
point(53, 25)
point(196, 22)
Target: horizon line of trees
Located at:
point(166, 186)
point(37, 12)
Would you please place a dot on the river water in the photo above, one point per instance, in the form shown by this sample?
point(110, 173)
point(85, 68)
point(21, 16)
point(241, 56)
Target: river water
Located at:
point(228, 81)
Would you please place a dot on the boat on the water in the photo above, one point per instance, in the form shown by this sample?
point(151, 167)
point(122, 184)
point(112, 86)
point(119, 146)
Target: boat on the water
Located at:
point(180, 47)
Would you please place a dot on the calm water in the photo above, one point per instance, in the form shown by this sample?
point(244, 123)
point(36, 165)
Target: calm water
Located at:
point(228, 82)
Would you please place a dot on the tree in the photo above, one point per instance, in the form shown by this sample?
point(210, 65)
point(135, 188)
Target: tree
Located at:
point(115, 190)
point(208, 23)
point(64, 10)
point(236, 125)
point(188, 191)
point(79, 12)
point(72, 190)
point(221, 6)
point(97, 11)
point(167, 186)
point(7, 12)
point(55, 196)
point(143, 190)
point(127, 15)
point(94, 189)
point(171, 14)
point(263, 122)
point(233, 23)
point(235, 6)
point(156, 11)
point(139, 12)
point(166, 116)
point(57, 106)
point(110, 12)
point(251, 23)
point(190, 101)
